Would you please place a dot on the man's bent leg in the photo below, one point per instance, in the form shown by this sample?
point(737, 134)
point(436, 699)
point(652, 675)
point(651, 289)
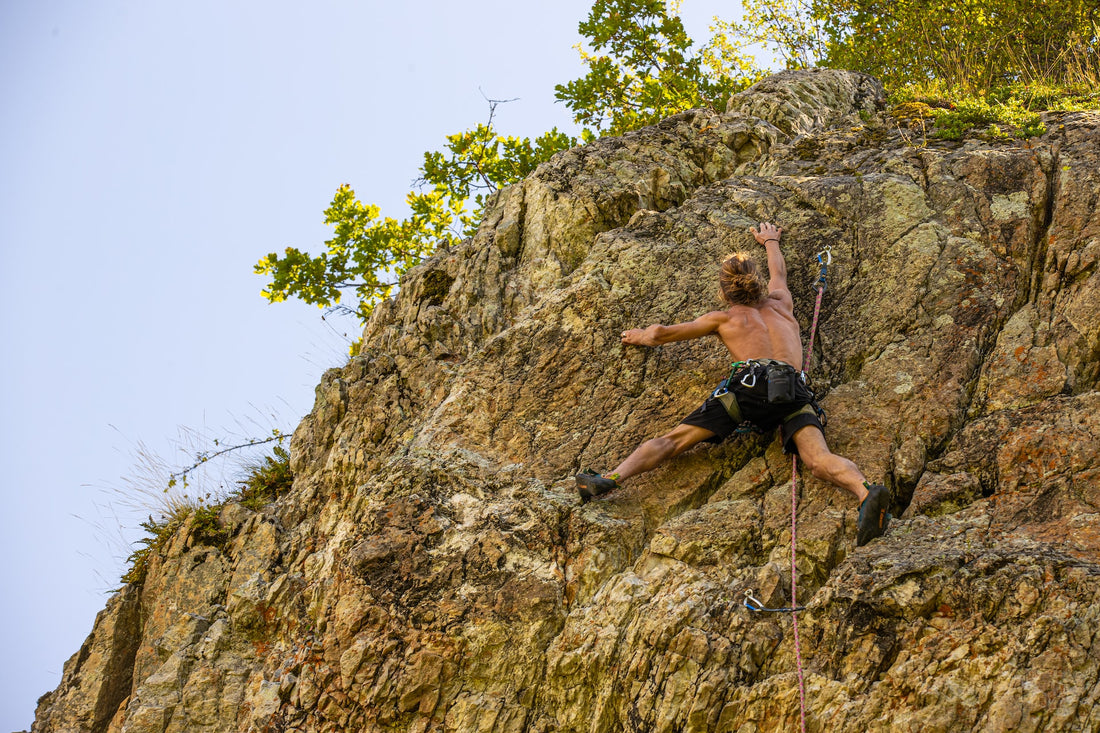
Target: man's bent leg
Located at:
point(826, 465)
point(649, 454)
point(874, 500)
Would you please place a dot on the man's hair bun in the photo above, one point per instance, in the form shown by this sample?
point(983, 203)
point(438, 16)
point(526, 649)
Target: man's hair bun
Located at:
point(739, 280)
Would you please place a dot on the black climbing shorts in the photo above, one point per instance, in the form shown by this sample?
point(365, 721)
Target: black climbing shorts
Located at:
point(759, 415)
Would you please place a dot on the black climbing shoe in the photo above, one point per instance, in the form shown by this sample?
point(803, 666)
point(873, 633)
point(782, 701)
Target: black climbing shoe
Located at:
point(874, 514)
point(591, 484)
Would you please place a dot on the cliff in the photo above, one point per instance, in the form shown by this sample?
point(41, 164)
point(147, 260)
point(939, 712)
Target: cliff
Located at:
point(433, 569)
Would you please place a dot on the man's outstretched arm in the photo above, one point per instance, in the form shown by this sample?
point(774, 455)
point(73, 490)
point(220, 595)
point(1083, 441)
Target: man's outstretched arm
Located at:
point(769, 235)
point(657, 334)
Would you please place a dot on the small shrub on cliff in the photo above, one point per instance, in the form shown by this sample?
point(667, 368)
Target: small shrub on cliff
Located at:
point(971, 113)
point(157, 534)
point(1048, 97)
point(264, 482)
point(205, 529)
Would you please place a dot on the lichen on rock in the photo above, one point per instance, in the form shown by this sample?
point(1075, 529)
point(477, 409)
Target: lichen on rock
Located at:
point(433, 570)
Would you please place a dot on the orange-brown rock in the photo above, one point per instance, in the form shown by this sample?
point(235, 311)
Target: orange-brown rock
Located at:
point(433, 569)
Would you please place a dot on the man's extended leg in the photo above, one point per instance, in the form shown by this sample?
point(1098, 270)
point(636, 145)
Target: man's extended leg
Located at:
point(874, 499)
point(649, 454)
point(644, 458)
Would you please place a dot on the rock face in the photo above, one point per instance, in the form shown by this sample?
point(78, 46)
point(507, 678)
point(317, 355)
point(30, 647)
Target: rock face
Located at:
point(433, 570)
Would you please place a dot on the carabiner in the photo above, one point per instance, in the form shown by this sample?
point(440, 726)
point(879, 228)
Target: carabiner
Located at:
point(751, 602)
point(745, 383)
point(824, 258)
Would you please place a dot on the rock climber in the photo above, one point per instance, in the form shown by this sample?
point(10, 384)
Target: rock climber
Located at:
point(766, 387)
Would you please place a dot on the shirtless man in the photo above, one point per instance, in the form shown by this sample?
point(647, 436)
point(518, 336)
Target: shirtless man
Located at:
point(765, 389)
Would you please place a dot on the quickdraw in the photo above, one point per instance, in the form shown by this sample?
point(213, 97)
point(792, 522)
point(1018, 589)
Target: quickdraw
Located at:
point(824, 258)
point(753, 604)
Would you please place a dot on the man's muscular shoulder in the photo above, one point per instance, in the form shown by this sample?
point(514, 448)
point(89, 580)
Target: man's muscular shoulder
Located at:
point(717, 316)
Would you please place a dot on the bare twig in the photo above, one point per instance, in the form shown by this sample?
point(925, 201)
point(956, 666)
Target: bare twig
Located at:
point(203, 457)
point(493, 105)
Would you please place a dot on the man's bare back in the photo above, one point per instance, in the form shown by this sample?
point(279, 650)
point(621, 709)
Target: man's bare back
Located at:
point(767, 330)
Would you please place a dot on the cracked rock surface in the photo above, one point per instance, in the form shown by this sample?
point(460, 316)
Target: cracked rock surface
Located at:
point(433, 569)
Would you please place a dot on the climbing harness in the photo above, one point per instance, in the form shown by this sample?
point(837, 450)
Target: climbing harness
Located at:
point(728, 399)
point(782, 382)
point(824, 258)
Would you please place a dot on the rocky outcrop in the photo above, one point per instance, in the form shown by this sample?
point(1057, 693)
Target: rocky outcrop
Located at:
point(433, 570)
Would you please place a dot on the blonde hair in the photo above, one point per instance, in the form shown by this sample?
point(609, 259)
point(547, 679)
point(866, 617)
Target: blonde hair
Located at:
point(740, 282)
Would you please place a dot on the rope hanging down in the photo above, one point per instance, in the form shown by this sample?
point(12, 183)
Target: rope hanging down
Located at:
point(824, 258)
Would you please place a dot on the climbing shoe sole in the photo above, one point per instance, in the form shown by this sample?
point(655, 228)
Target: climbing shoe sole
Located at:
point(874, 514)
point(591, 484)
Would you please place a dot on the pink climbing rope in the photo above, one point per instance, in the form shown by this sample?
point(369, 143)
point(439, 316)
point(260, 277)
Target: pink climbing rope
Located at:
point(813, 330)
point(794, 595)
point(794, 517)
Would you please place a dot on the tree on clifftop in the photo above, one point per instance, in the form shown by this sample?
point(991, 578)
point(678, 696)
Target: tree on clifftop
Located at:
point(642, 67)
point(648, 72)
point(971, 45)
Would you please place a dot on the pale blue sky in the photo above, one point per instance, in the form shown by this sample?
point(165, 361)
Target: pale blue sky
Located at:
point(150, 153)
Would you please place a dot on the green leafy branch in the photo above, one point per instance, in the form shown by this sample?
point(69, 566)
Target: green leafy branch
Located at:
point(368, 254)
point(642, 68)
point(479, 162)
